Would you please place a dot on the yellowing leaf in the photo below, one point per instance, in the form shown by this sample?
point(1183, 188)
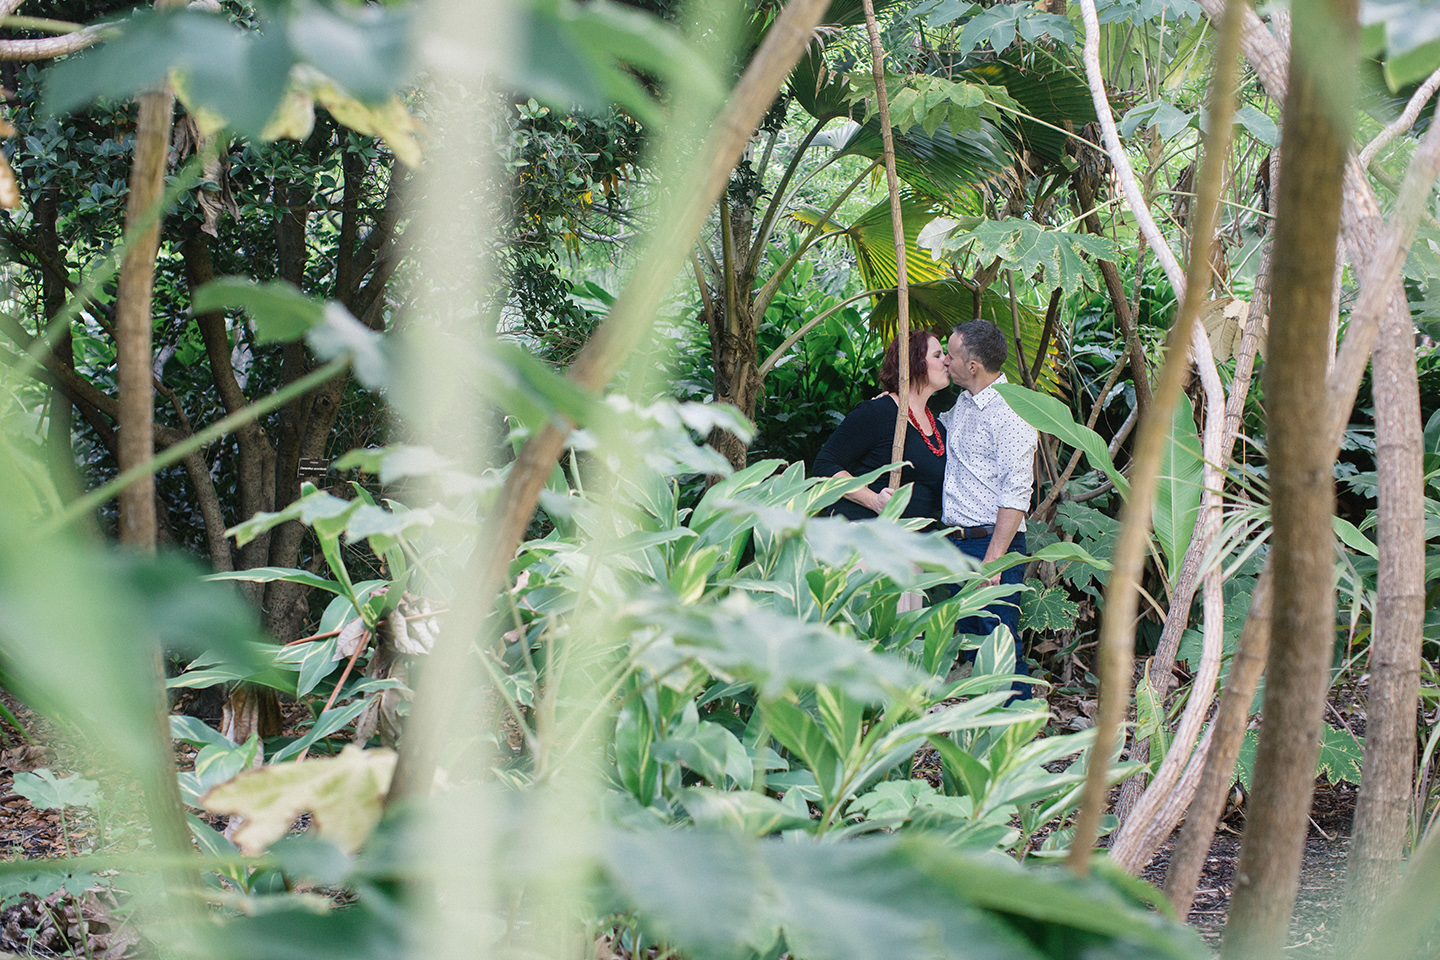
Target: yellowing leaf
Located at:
point(1224, 321)
point(343, 794)
point(391, 121)
point(293, 119)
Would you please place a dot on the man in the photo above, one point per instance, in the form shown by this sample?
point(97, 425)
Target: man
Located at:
point(989, 469)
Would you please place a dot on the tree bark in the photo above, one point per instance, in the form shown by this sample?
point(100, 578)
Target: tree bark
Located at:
point(1317, 122)
point(137, 443)
point(1383, 807)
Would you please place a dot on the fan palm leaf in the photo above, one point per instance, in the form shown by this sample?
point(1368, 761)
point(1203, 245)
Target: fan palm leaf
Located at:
point(942, 164)
point(1052, 94)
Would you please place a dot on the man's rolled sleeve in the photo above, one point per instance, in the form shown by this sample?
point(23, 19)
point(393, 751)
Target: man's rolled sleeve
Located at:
point(1015, 449)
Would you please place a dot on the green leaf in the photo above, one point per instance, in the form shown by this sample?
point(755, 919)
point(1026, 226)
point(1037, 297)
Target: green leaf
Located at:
point(735, 639)
point(1047, 608)
point(223, 69)
point(1049, 415)
point(45, 791)
point(196, 732)
point(366, 50)
point(874, 898)
point(325, 724)
point(340, 335)
point(278, 311)
point(1022, 245)
point(1167, 120)
point(945, 164)
point(1342, 755)
point(217, 763)
point(741, 811)
point(1177, 488)
point(803, 737)
point(1260, 126)
point(1245, 760)
point(1351, 536)
point(315, 660)
point(286, 574)
point(711, 751)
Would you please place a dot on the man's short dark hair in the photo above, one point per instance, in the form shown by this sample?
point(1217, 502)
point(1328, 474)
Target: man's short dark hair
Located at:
point(984, 342)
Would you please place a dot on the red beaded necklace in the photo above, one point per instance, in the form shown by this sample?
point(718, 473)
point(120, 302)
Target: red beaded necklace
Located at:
point(936, 447)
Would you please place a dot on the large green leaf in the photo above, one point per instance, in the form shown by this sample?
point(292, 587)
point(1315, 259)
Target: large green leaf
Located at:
point(1052, 94)
point(940, 165)
point(1177, 489)
point(1021, 245)
point(874, 899)
point(1049, 415)
point(823, 93)
point(737, 639)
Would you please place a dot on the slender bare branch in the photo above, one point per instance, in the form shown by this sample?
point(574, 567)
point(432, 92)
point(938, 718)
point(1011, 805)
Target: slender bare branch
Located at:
point(897, 225)
point(47, 48)
point(1400, 124)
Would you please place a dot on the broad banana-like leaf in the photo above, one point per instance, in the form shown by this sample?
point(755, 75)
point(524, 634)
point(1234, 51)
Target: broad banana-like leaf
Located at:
point(942, 164)
point(1047, 90)
point(1177, 490)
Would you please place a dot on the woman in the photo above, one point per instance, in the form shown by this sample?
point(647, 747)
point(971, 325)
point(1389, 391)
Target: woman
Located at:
point(863, 441)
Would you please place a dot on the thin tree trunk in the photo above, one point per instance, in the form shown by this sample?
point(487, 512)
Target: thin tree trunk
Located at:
point(1383, 807)
point(132, 318)
point(897, 224)
point(1316, 120)
point(163, 804)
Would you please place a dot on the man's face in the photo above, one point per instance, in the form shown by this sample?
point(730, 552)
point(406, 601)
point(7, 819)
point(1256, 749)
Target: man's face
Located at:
point(963, 368)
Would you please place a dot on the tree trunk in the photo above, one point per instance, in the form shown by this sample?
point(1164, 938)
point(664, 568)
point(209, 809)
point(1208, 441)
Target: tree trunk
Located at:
point(169, 831)
point(733, 326)
point(132, 324)
point(1383, 808)
point(1316, 121)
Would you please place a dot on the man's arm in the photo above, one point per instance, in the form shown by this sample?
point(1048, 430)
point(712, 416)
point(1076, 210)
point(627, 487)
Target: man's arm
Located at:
point(1007, 521)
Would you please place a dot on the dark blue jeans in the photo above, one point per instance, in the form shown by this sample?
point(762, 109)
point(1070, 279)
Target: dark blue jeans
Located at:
point(1002, 611)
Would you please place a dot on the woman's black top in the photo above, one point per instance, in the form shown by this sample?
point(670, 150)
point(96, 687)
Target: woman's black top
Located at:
point(862, 443)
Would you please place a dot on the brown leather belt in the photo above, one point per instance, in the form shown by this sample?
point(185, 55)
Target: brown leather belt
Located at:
point(972, 533)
